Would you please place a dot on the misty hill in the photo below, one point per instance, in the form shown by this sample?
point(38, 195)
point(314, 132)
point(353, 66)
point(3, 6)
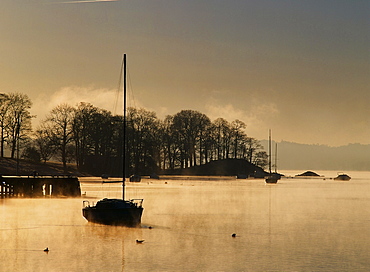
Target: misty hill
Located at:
point(354, 157)
point(227, 167)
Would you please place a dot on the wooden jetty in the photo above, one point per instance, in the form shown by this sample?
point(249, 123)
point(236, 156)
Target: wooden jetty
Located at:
point(39, 186)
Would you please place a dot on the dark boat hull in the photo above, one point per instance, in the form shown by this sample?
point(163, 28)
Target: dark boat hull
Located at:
point(271, 180)
point(121, 214)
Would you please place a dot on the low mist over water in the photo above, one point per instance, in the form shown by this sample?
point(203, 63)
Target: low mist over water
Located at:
point(296, 225)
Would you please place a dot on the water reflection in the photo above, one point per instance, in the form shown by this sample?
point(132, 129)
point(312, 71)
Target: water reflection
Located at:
point(296, 225)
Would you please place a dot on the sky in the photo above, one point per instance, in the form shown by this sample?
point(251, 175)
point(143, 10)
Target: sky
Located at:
point(300, 68)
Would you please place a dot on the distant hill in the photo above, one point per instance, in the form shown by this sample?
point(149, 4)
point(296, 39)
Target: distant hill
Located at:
point(8, 167)
point(352, 157)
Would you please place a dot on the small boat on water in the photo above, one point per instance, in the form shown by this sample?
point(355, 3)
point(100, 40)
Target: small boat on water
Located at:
point(342, 177)
point(271, 177)
point(135, 178)
point(116, 211)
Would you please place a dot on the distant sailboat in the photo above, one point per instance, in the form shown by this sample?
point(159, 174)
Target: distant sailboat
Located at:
point(271, 177)
point(116, 211)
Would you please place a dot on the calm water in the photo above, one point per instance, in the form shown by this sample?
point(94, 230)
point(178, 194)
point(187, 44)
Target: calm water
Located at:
point(296, 225)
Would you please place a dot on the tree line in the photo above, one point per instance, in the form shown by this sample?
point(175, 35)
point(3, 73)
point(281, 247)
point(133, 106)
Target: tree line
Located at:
point(92, 137)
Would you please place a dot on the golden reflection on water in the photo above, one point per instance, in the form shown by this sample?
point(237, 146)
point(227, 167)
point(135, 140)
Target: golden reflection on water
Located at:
point(295, 225)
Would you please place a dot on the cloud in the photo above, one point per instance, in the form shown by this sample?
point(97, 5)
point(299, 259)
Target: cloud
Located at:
point(110, 100)
point(103, 98)
point(256, 117)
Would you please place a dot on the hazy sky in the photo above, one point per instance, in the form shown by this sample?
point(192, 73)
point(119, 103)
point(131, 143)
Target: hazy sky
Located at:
point(301, 68)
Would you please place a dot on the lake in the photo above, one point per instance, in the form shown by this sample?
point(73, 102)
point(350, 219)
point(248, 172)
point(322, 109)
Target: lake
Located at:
point(298, 224)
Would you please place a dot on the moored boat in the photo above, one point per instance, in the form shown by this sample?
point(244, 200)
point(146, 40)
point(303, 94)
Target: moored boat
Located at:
point(116, 211)
point(271, 177)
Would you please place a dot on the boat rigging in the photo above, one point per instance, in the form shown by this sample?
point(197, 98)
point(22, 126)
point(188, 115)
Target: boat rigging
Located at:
point(117, 211)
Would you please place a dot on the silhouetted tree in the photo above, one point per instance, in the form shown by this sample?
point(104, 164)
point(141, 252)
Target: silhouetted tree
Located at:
point(170, 148)
point(44, 145)
point(58, 128)
point(80, 127)
point(17, 120)
point(188, 126)
point(143, 141)
point(261, 159)
point(252, 146)
point(92, 132)
point(221, 136)
point(237, 136)
point(4, 106)
point(31, 153)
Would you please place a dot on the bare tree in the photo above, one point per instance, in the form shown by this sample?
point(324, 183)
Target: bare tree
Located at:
point(144, 139)
point(221, 134)
point(44, 145)
point(58, 128)
point(189, 126)
point(237, 134)
point(4, 106)
point(253, 148)
point(171, 150)
point(17, 120)
point(83, 124)
point(261, 159)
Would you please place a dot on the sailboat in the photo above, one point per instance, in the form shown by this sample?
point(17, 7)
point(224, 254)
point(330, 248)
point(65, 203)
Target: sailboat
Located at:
point(271, 177)
point(116, 211)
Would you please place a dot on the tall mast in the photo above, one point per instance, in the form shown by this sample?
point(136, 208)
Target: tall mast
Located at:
point(276, 152)
point(124, 128)
point(270, 151)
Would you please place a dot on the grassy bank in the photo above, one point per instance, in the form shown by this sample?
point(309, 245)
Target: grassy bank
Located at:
point(10, 167)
